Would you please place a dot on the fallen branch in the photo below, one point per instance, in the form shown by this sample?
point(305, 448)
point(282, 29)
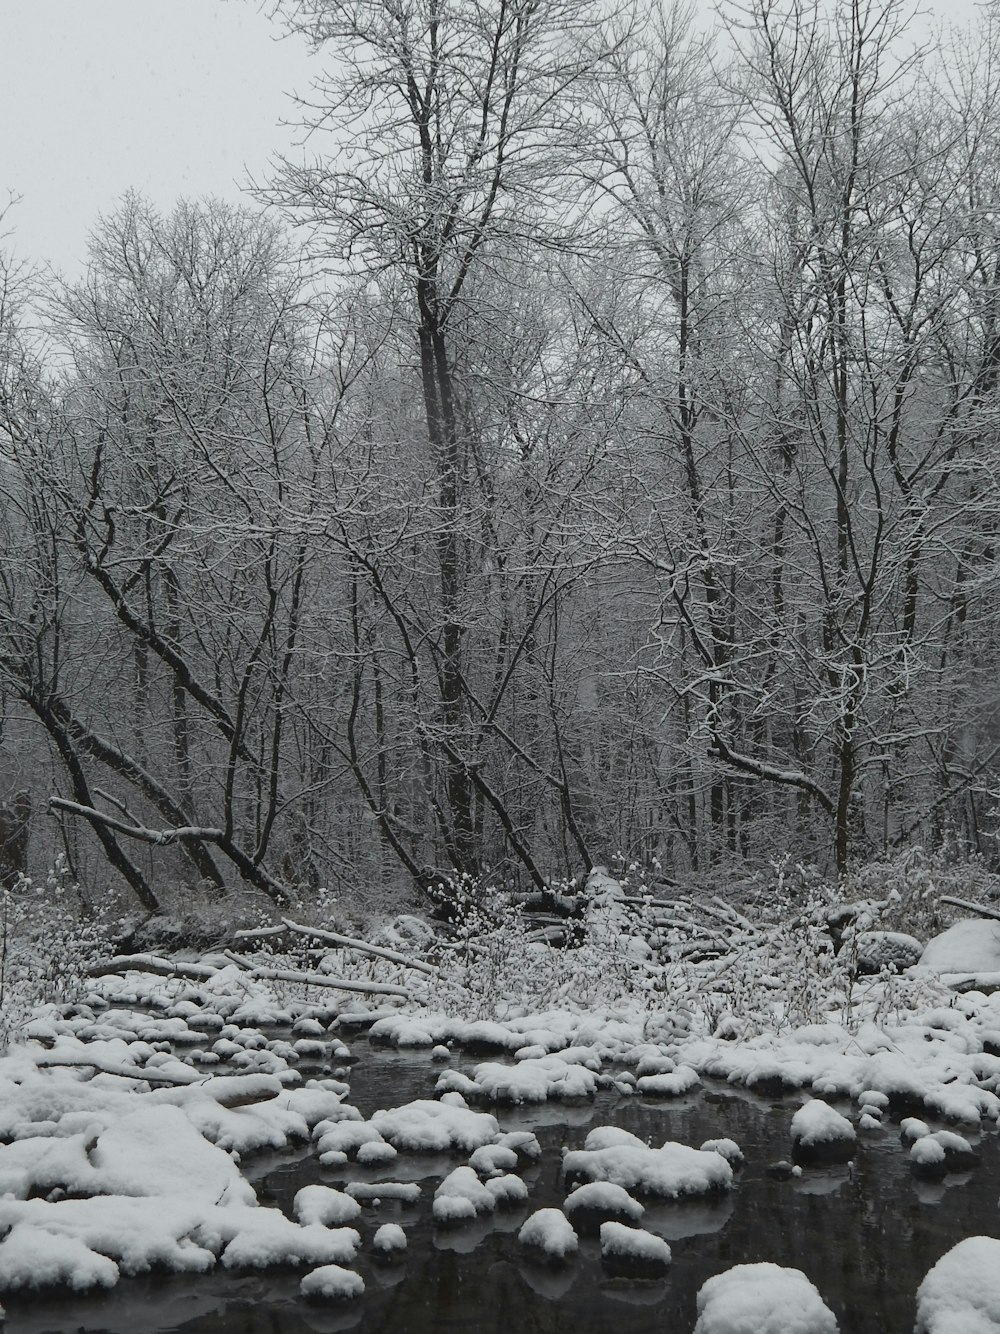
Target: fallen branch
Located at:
point(121, 1070)
point(979, 908)
point(151, 963)
point(316, 979)
point(345, 942)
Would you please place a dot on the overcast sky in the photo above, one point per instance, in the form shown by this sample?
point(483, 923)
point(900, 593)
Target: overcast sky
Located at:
point(171, 97)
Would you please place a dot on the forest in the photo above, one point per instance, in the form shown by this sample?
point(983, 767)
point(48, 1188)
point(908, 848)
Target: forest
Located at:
point(584, 447)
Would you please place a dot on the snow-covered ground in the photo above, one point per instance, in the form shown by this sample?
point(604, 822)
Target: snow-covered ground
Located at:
point(123, 1148)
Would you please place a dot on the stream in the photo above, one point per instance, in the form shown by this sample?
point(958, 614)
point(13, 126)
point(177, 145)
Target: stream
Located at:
point(865, 1234)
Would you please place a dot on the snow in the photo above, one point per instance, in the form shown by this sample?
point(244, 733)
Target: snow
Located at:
point(671, 1172)
point(671, 1085)
point(551, 1232)
point(970, 946)
point(461, 1195)
point(762, 1299)
point(632, 1243)
point(32, 1258)
point(389, 1239)
point(323, 1204)
point(817, 1125)
point(332, 1283)
point(961, 1293)
point(424, 1126)
point(605, 1198)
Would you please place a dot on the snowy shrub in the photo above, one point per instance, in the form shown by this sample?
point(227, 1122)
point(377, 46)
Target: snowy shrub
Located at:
point(48, 940)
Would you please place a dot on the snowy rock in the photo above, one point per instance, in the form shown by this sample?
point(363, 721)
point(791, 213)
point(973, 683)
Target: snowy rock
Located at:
point(886, 949)
point(934, 1155)
point(762, 1299)
point(729, 1149)
point(460, 1197)
point(332, 1283)
point(425, 1126)
point(551, 1232)
point(668, 1085)
point(970, 946)
point(493, 1159)
point(408, 1192)
point(632, 1251)
point(535, 1080)
point(961, 1294)
point(389, 1241)
point(671, 1172)
point(323, 1204)
point(507, 1190)
point(33, 1258)
point(598, 1202)
point(822, 1135)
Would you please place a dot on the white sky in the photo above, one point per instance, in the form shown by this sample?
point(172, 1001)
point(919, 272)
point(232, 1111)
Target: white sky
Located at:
point(171, 97)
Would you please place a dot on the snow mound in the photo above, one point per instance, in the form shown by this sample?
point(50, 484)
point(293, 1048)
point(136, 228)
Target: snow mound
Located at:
point(598, 1202)
point(323, 1204)
point(389, 1240)
point(671, 1172)
point(819, 1133)
point(961, 1294)
point(669, 1085)
point(30, 1257)
point(425, 1126)
point(551, 1232)
point(634, 1247)
point(460, 1197)
point(970, 946)
point(332, 1283)
point(762, 1299)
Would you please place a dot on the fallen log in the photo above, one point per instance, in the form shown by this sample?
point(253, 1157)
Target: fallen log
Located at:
point(151, 963)
point(316, 979)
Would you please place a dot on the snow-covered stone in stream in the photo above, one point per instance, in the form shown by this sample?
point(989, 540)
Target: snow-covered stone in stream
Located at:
point(671, 1172)
point(911, 1128)
point(346, 1138)
point(763, 1299)
point(493, 1159)
point(942, 1151)
point(507, 1190)
point(633, 1249)
point(961, 1294)
point(332, 1283)
point(531, 1081)
point(408, 1192)
point(375, 1154)
point(32, 1258)
point(524, 1143)
point(970, 946)
point(821, 1134)
point(323, 1204)
point(389, 1241)
point(672, 1085)
point(461, 1196)
point(425, 1126)
point(655, 1062)
point(551, 1232)
point(729, 1149)
point(607, 1137)
point(259, 1238)
point(597, 1202)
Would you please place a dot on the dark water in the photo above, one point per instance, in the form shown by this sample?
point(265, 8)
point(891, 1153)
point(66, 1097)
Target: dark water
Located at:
point(865, 1235)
